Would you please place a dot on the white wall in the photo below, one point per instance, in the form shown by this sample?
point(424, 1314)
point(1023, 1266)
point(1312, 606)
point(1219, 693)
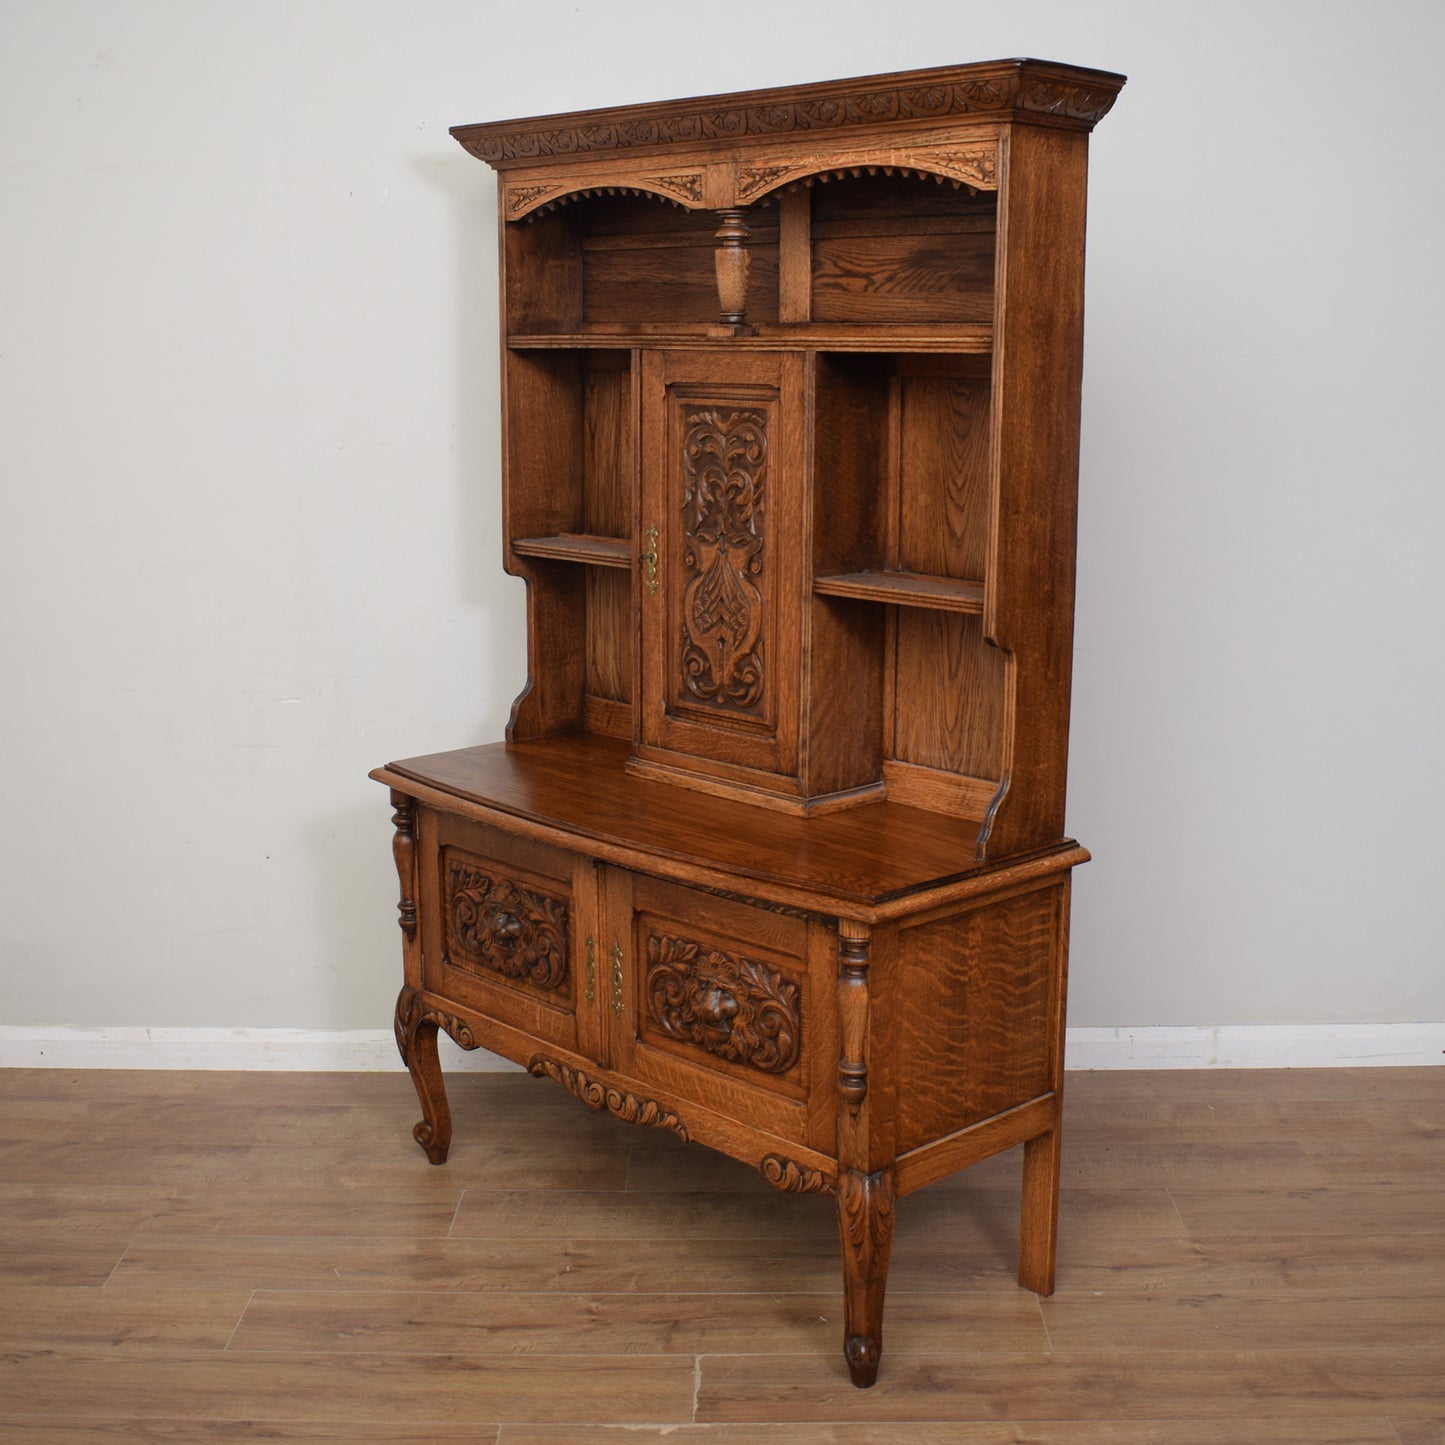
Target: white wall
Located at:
point(248, 449)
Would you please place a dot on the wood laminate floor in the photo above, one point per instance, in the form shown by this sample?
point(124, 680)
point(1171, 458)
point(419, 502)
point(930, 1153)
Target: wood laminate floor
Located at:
point(1253, 1258)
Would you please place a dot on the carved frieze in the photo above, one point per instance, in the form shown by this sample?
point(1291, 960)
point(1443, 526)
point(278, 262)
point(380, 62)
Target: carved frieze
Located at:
point(497, 926)
point(686, 186)
point(735, 1008)
point(521, 199)
point(1010, 87)
point(724, 471)
point(597, 1095)
point(974, 164)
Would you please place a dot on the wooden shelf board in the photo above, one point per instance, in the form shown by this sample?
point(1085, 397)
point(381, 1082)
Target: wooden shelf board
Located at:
point(904, 589)
point(969, 338)
point(575, 547)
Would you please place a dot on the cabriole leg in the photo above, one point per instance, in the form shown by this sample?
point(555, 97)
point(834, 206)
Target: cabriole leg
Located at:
point(865, 1227)
point(416, 1038)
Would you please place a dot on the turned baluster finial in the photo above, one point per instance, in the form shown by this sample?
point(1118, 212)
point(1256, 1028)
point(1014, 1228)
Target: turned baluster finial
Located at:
point(733, 260)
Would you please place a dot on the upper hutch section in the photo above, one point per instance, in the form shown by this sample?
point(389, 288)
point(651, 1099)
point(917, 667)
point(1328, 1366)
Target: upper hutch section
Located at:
point(845, 206)
point(791, 399)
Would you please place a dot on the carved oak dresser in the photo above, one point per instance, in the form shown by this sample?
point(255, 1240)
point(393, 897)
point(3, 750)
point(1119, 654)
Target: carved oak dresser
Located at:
point(773, 855)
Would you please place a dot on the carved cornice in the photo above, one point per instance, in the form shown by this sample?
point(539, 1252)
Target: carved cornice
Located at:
point(1028, 89)
point(597, 1095)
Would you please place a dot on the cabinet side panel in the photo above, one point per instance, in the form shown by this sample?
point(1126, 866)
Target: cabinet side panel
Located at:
point(543, 495)
point(1038, 362)
point(950, 694)
point(844, 658)
point(542, 287)
point(609, 635)
point(975, 1037)
point(943, 482)
point(607, 443)
point(544, 460)
point(607, 503)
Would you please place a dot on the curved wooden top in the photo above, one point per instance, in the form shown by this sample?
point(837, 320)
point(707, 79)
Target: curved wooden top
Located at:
point(867, 862)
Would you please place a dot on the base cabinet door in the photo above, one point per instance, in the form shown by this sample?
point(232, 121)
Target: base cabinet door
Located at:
point(506, 929)
point(724, 1002)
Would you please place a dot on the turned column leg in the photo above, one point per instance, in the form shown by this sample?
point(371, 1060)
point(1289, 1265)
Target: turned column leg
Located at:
point(865, 1228)
point(416, 1038)
point(1039, 1223)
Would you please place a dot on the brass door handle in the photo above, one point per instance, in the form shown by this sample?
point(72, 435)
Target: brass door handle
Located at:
point(591, 981)
point(617, 979)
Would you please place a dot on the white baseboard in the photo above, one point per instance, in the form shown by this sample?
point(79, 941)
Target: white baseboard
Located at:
point(328, 1050)
point(1257, 1046)
point(1281, 1046)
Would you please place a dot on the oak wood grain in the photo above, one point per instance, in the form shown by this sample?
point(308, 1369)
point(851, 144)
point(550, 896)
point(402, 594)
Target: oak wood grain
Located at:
point(1085, 1384)
point(33, 1430)
point(631, 1324)
point(335, 1389)
point(70, 1317)
point(1070, 1431)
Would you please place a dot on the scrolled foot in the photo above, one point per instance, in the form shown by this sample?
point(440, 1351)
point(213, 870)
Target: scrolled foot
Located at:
point(436, 1150)
point(863, 1353)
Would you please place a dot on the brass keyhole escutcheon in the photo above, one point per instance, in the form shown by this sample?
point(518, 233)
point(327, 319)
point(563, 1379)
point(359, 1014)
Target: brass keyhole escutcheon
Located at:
point(617, 979)
point(649, 559)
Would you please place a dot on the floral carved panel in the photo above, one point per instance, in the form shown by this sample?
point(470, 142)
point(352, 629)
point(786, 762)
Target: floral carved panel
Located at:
point(735, 1008)
point(497, 926)
point(724, 461)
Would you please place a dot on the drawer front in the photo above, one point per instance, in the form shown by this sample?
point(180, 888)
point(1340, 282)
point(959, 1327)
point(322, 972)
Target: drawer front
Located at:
point(502, 928)
point(721, 1002)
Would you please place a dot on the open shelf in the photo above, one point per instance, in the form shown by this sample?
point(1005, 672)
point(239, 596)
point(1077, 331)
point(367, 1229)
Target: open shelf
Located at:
point(576, 547)
point(975, 338)
point(904, 589)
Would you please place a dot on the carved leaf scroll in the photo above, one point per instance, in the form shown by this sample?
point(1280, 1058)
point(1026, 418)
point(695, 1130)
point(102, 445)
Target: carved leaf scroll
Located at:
point(724, 472)
point(736, 1008)
point(974, 164)
point(497, 925)
point(784, 1173)
point(596, 1095)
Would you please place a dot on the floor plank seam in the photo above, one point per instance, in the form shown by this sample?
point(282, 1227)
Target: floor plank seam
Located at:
point(1043, 1321)
point(240, 1318)
point(452, 1223)
point(120, 1260)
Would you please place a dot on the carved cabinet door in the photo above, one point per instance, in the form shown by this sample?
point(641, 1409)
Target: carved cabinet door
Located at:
point(506, 927)
point(724, 1002)
point(723, 471)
